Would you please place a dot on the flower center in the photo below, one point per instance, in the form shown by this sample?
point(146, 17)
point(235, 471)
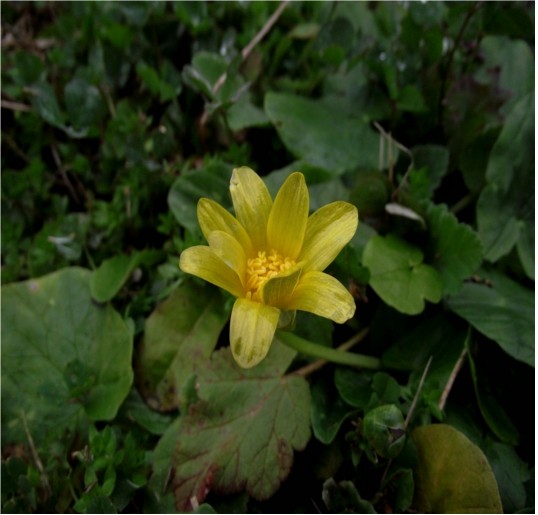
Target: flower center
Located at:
point(262, 267)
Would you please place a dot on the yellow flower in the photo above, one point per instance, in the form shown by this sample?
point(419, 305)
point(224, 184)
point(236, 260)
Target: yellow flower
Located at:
point(271, 256)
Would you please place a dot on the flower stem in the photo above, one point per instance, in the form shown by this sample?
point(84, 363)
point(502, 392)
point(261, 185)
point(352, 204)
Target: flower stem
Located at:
point(329, 354)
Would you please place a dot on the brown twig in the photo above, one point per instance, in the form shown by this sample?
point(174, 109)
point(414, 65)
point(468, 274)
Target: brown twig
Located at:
point(316, 365)
point(14, 106)
point(247, 50)
point(451, 379)
point(35, 456)
point(65, 178)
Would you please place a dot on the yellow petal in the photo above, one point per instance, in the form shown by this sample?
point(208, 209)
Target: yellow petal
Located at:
point(328, 230)
point(227, 248)
point(252, 204)
point(202, 262)
point(213, 217)
point(289, 216)
point(252, 328)
point(323, 295)
point(277, 291)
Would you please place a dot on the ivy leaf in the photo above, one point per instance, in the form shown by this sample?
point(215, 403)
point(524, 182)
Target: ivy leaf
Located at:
point(321, 134)
point(242, 432)
point(504, 312)
point(179, 335)
point(398, 275)
point(456, 248)
point(453, 475)
point(505, 210)
point(63, 357)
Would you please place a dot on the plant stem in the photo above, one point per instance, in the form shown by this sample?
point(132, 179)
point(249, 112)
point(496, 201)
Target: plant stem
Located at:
point(328, 354)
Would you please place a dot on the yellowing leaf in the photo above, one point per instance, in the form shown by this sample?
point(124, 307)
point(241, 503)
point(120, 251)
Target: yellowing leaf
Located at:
point(453, 475)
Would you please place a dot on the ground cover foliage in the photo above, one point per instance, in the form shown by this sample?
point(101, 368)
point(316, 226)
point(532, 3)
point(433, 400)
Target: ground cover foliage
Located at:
point(119, 393)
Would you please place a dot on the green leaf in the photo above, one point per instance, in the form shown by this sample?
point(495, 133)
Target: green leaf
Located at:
point(505, 210)
point(453, 475)
point(322, 135)
point(179, 336)
point(514, 60)
point(253, 418)
point(63, 357)
point(84, 104)
point(244, 114)
point(46, 104)
point(353, 387)
point(398, 275)
point(410, 99)
point(328, 412)
point(343, 497)
point(438, 338)
point(511, 473)
point(435, 159)
point(384, 429)
point(113, 273)
point(211, 181)
point(455, 247)
point(494, 414)
point(504, 312)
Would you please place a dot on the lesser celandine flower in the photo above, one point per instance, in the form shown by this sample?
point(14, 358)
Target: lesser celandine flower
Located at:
point(271, 256)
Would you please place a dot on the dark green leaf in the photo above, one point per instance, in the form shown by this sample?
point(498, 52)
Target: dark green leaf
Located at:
point(504, 312)
point(328, 412)
point(455, 248)
point(343, 497)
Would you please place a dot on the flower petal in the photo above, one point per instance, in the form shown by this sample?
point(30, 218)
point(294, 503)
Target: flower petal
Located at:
point(228, 249)
point(289, 216)
point(252, 328)
point(323, 295)
point(277, 291)
point(252, 204)
point(328, 230)
point(213, 217)
point(202, 262)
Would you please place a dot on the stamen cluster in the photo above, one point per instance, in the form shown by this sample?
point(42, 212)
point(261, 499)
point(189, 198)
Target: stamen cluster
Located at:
point(264, 266)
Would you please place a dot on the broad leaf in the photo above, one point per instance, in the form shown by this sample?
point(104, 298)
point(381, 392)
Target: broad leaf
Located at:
point(505, 210)
point(503, 311)
point(453, 475)
point(398, 275)
point(179, 336)
point(211, 181)
point(322, 135)
point(456, 249)
point(242, 432)
point(63, 357)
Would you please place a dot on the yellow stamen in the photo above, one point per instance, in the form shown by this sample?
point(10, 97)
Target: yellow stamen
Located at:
point(263, 267)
